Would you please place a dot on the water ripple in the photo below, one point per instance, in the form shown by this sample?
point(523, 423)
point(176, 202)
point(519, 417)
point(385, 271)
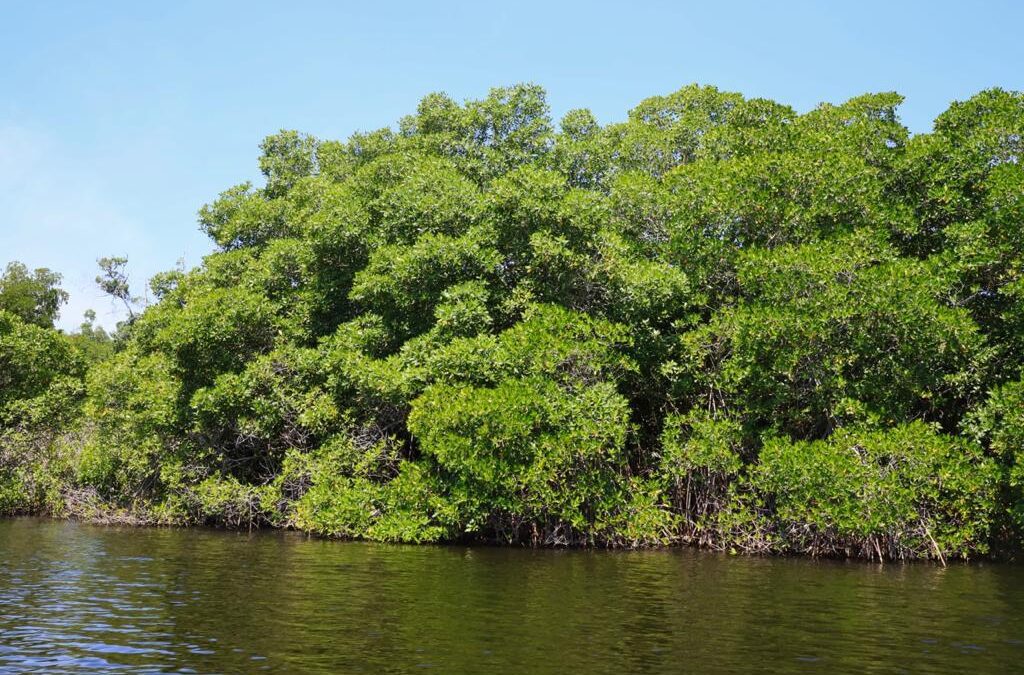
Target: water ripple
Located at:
point(75, 598)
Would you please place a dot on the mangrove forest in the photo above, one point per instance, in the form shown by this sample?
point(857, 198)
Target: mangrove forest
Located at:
point(721, 322)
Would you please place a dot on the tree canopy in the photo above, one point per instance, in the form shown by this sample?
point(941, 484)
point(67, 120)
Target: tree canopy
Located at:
point(34, 297)
point(719, 321)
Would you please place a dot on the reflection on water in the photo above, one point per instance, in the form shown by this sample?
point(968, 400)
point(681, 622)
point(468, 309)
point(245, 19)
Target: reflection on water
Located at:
point(80, 598)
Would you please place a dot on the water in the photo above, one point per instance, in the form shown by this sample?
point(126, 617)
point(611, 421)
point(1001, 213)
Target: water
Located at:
point(77, 598)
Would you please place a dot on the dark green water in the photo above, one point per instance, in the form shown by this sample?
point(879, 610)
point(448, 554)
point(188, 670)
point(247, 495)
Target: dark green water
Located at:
point(82, 598)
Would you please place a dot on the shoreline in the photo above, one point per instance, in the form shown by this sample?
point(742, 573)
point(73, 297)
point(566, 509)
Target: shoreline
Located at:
point(265, 529)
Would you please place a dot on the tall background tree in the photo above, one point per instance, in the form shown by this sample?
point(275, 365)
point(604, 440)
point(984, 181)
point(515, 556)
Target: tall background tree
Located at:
point(34, 296)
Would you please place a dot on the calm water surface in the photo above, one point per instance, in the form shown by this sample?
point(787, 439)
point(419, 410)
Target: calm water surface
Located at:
point(78, 598)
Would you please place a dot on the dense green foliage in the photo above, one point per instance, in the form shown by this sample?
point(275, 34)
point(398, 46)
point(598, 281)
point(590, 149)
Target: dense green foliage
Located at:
point(719, 322)
point(32, 297)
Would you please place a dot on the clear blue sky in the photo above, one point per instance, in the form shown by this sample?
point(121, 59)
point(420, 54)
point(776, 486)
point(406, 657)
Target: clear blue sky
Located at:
point(119, 119)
